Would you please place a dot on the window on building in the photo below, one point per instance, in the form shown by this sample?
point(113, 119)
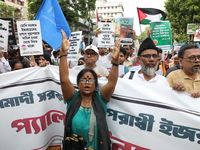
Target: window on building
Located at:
point(108, 7)
point(2, 0)
point(20, 3)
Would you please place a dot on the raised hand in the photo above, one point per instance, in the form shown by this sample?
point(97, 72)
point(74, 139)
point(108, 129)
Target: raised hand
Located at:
point(115, 51)
point(65, 43)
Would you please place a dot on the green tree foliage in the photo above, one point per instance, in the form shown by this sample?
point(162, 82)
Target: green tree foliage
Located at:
point(6, 11)
point(180, 13)
point(72, 9)
point(143, 35)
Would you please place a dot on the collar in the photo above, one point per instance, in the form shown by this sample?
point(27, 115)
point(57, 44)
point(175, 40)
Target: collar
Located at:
point(185, 76)
point(154, 79)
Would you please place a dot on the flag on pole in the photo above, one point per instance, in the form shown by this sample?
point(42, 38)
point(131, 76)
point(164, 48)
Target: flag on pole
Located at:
point(147, 15)
point(52, 20)
point(97, 17)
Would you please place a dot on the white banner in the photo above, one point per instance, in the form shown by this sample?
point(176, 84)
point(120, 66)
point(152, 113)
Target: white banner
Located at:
point(30, 40)
point(4, 35)
point(139, 115)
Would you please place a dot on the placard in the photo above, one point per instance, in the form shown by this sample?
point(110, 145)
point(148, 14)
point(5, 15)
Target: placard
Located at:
point(74, 39)
point(30, 40)
point(106, 37)
point(3, 35)
point(162, 34)
point(122, 30)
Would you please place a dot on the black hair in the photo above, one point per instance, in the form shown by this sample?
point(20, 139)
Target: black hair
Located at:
point(83, 71)
point(169, 56)
point(55, 52)
point(123, 51)
point(186, 47)
point(12, 52)
point(47, 57)
point(159, 50)
point(82, 58)
point(15, 61)
point(129, 46)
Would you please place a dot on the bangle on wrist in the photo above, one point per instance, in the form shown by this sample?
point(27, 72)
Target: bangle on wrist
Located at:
point(114, 64)
point(62, 55)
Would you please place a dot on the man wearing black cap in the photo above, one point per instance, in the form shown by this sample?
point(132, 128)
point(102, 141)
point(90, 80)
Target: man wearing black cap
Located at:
point(148, 56)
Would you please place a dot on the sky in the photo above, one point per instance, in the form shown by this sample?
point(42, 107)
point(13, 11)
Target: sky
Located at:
point(130, 9)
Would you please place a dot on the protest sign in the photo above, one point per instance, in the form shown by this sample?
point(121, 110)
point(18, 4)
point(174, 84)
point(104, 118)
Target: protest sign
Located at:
point(29, 35)
point(122, 30)
point(12, 30)
point(140, 115)
point(3, 35)
point(192, 27)
point(162, 34)
point(106, 37)
point(74, 39)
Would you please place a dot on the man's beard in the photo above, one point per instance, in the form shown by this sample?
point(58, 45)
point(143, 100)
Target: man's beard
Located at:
point(195, 70)
point(148, 71)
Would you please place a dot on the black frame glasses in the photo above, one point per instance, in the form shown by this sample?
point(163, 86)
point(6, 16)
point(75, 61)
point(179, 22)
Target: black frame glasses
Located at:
point(85, 80)
point(91, 54)
point(192, 58)
point(148, 56)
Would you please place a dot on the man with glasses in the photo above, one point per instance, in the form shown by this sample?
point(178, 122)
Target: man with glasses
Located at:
point(188, 77)
point(90, 57)
point(131, 60)
point(148, 56)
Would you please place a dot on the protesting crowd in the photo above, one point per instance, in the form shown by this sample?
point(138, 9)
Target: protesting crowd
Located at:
point(86, 107)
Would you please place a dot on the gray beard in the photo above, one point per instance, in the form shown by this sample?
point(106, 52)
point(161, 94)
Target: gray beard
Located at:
point(148, 71)
point(195, 70)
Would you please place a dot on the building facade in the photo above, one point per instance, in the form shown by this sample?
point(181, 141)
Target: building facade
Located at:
point(107, 11)
point(21, 5)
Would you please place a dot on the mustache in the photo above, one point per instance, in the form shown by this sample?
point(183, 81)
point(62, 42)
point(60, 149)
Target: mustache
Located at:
point(196, 64)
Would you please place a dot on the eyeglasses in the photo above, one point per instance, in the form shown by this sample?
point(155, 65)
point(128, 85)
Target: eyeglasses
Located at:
point(148, 56)
point(192, 58)
point(91, 54)
point(85, 80)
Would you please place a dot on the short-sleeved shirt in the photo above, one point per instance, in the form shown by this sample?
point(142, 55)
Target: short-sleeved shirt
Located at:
point(98, 69)
point(81, 121)
point(158, 79)
point(180, 76)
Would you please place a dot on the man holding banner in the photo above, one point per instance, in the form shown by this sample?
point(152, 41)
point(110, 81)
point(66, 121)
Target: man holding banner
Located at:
point(148, 56)
point(188, 78)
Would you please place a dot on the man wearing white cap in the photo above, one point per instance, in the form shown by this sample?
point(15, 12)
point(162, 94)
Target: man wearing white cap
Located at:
point(91, 56)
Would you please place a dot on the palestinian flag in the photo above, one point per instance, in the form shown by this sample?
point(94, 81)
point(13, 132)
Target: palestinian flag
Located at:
point(147, 15)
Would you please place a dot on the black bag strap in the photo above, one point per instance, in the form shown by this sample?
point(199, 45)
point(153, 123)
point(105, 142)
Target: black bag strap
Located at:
point(131, 74)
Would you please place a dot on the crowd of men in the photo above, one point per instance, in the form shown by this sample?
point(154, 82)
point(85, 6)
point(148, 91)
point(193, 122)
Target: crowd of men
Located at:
point(144, 62)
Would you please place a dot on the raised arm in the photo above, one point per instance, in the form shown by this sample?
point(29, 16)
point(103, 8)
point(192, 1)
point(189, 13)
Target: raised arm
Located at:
point(66, 85)
point(108, 89)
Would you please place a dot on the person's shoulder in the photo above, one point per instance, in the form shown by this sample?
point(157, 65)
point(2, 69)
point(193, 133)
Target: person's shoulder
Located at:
point(78, 67)
point(100, 67)
point(175, 72)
